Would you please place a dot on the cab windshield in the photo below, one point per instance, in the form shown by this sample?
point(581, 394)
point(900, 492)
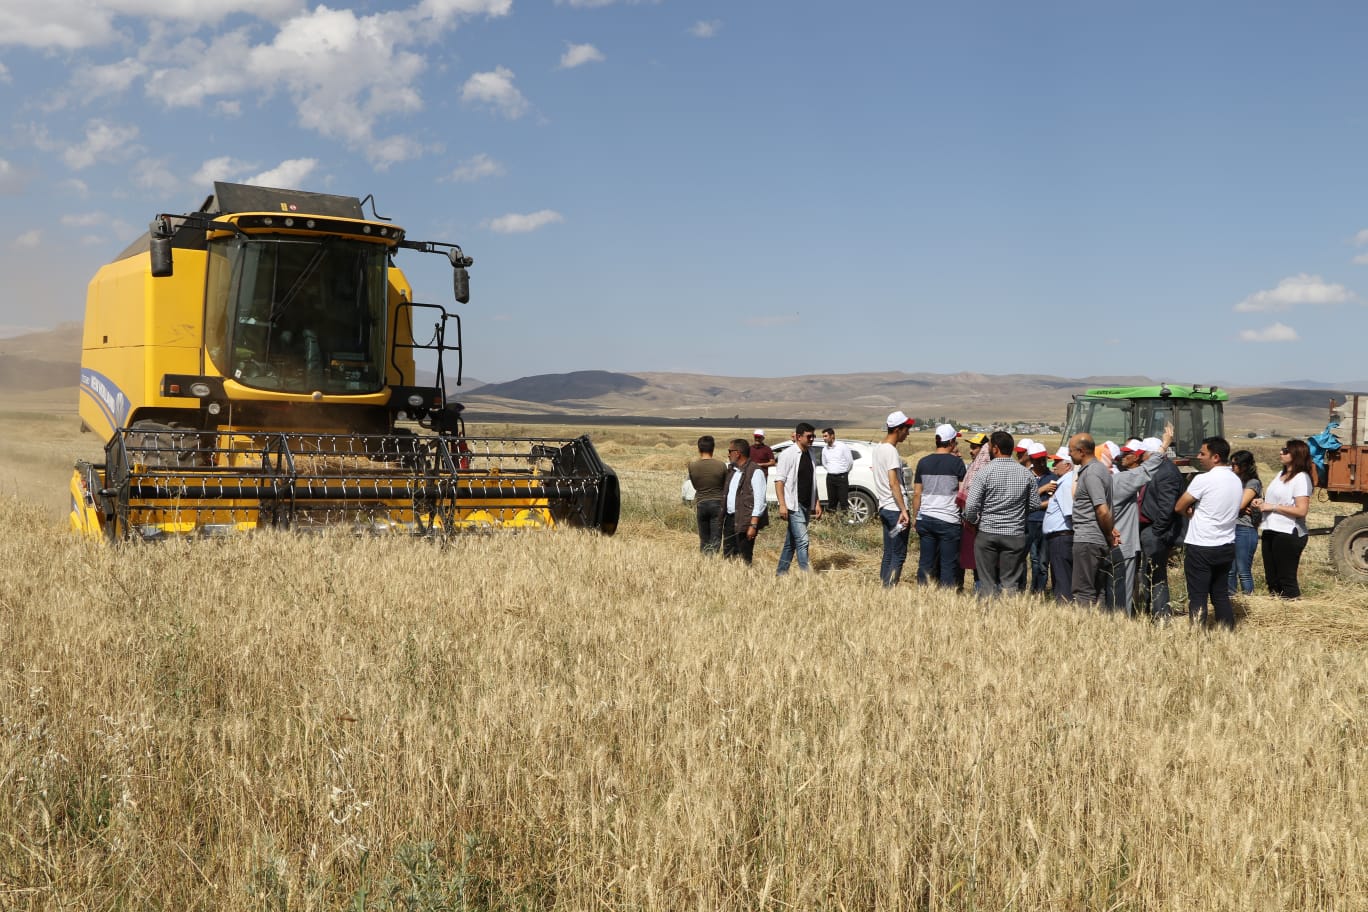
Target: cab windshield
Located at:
point(298, 315)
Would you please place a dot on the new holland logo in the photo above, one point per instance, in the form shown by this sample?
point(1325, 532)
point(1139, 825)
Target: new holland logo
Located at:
point(110, 397)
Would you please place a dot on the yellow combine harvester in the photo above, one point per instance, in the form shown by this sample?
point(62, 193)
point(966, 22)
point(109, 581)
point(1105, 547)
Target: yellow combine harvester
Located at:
point(252, 365)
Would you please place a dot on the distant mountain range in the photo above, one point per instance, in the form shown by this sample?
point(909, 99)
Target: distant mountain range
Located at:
point(50, 360)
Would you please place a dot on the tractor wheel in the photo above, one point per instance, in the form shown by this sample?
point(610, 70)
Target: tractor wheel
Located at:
point(1349, 548)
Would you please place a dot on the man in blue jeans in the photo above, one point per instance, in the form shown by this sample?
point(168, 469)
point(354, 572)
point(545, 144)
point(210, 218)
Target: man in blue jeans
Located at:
point(934, 486)
point(888, 488)
point(795, 487)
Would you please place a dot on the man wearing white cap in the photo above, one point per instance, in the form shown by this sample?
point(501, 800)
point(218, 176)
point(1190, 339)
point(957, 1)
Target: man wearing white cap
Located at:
point(934, 486)
point(888, 488)
point(1058, 525)
point(1137, 470)
point(1160, 527)
point(761, 455)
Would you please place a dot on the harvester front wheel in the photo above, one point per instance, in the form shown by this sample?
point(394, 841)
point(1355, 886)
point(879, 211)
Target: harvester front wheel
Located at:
point(1349, 548)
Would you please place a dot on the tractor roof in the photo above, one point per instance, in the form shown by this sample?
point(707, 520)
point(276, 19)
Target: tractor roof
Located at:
point(1208, 394)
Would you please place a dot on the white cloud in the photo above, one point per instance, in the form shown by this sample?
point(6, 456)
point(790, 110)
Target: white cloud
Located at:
point(579, 54)
point(514, 223)
point(108, 79)
point(4, 73)
point(344, 72)
point(10, 179)
point(229, 108)
point(84, 220)
point(495, 89)
point(1276, 332)
point(1294, 291)
point(477, 167)
point(223, 168)
point(1361, 239)
point(705, 28)
point(29, 239)
point(74, 186)
point(102, 140)
point(73, 24)
point(289, 173)
point(1361, 259)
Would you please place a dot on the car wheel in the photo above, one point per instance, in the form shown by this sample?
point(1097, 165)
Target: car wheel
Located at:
point(862, 507)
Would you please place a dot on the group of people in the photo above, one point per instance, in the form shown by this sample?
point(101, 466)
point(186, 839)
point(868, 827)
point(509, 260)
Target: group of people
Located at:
point(1095, 524)
point(730, 497)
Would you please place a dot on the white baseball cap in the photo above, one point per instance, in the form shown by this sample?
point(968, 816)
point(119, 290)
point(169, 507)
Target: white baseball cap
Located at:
point(1112, 448)
point(898, 419)
point(1024, 445)
point(946, 432)
point(1132, 446)
point(1037, 450)
point(758, 432)
point(1062, 455)
point(1152, 445)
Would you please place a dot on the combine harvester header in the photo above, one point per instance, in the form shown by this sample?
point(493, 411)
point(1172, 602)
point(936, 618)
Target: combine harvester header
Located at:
point(252, 365)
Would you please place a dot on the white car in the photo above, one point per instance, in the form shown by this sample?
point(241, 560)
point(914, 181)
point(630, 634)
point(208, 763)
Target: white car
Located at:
point(863, 503)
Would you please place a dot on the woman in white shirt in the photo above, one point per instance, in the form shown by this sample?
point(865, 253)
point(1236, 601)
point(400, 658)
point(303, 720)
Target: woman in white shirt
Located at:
point(1284, 506)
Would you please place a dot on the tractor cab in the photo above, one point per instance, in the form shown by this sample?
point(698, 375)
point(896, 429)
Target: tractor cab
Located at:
point(1120, 413)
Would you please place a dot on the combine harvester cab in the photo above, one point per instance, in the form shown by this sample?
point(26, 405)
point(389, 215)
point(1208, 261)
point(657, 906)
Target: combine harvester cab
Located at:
point(252, 365)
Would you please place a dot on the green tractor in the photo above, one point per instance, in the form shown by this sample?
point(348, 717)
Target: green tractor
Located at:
point(1122, 412)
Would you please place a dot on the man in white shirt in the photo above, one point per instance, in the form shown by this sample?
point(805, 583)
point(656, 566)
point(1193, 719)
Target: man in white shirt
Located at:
point(744, 502)
point(837, 460)
point(1057, 526)
point(888, 488)
point(1212, 504)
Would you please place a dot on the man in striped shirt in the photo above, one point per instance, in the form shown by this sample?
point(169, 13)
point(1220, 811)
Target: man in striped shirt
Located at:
point(998, 502)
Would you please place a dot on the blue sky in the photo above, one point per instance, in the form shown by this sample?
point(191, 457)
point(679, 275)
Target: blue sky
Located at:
point(745, 188)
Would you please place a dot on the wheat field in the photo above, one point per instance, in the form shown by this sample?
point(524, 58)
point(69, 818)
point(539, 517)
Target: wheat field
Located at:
point(575, 722)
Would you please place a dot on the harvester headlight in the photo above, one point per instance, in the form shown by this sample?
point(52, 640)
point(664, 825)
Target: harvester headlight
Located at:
point(268, 221)
point(199, 389)
point(214, 408)
point(415, 400)
point(289, 223)
point(309, 223)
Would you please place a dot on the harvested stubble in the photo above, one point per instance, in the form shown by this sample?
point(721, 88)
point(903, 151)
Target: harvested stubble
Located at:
point(574, 722)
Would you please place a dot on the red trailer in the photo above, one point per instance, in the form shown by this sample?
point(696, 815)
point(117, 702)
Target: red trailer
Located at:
point(1347, 481)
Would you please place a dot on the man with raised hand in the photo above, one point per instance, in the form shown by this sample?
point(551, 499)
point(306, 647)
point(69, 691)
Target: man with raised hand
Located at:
point(795, 487)
point(1160, 527)
point(1137, 468)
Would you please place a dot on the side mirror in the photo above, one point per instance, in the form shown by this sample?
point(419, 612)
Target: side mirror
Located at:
point(460, 278)
point(161, 257)
point(461, 285)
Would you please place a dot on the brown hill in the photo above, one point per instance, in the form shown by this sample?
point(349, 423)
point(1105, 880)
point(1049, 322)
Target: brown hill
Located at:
point(50, 360)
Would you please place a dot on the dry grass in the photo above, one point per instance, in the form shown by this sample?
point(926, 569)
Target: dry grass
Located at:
point(574, 722)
